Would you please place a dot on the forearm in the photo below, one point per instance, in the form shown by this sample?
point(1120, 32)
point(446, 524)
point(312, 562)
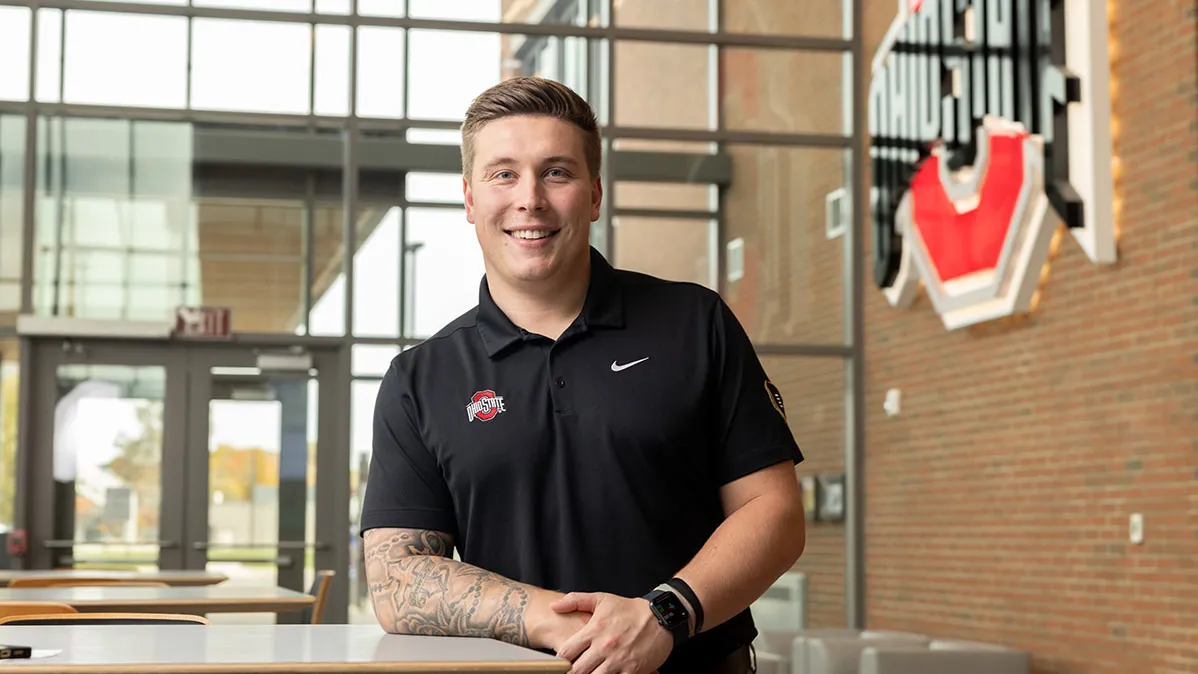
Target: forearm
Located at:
point(417, 589)
point(746, 553)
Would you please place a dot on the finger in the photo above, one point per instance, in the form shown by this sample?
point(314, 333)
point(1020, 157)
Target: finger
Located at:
point(589, 662)
point(576, 601)
point(607, 668)
point(564, 604)
point(575, 645)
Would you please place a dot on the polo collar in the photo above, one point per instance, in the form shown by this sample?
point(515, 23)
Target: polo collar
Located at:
point(604, 307)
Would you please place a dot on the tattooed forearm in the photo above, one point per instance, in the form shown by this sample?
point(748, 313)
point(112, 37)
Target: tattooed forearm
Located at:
point(416, 589)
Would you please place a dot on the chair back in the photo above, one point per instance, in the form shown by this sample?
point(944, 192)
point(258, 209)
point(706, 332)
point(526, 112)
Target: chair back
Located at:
point(320, 590)
point(20, 608)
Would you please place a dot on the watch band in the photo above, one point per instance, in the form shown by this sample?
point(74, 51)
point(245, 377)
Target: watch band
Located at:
point(685, 591)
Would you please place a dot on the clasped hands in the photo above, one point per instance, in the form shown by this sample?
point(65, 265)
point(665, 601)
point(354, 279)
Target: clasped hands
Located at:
point(620, 636)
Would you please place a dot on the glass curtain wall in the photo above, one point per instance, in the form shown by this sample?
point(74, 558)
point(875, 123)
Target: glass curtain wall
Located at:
point(297, 161)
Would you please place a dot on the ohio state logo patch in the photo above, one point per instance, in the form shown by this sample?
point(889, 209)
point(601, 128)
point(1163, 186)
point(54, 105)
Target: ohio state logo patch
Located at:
point(484, 406)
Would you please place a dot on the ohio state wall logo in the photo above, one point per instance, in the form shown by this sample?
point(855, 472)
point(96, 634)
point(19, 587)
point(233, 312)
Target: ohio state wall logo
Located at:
point(484, 405)
point(990, 130)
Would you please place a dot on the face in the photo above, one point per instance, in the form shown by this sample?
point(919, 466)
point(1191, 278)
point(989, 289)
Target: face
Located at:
point(531, 199)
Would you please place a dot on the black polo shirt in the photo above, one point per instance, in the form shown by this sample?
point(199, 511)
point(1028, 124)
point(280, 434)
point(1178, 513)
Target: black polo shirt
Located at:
point(592, 463)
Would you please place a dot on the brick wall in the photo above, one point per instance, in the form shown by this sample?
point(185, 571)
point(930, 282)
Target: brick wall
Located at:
point(998, 501)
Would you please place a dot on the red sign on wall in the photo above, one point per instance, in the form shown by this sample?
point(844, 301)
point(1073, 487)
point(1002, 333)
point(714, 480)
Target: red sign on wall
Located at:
point(990, 131)
point(203, 321)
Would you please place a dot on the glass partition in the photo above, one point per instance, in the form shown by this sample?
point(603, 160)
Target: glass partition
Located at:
point(305, 174)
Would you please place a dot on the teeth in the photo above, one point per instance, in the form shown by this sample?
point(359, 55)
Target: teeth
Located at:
point(530, 234)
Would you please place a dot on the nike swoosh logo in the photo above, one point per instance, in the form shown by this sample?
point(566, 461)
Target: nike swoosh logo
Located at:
point(618, 368)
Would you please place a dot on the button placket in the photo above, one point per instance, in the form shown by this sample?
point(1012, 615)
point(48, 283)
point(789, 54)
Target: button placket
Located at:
point(558, 385)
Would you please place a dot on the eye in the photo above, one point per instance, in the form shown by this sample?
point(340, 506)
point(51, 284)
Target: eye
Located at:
point(505, 175)
point(557, 173)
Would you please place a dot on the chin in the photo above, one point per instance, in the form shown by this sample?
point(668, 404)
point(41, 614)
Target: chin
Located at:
point(533, 271)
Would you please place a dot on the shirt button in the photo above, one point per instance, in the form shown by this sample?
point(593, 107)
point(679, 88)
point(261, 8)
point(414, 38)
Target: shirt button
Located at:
point(560, 382)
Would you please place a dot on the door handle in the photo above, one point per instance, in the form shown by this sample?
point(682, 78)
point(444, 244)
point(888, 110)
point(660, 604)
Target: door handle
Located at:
point(281, 545)
point(68, 560)
point(282, 561)
point(61, 544)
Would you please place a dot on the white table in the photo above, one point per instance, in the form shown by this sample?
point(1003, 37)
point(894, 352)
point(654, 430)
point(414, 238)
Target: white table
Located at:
point(139, 599)
point(165, 576)
point(245, 649)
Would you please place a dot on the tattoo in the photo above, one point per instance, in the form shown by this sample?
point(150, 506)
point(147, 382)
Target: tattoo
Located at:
point(417, 589)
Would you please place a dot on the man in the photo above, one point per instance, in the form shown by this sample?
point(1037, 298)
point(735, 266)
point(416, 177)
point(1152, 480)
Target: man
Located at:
point(603, 448)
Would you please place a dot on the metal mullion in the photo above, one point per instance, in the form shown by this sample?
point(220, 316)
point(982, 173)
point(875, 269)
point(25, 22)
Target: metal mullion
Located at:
point(349, 180)
point(309, 247)
point(29, 179)
point(855, 615)
point(401, 259)
point(190, 46)
point(404, 203)
point(718, 227)
point(311, 62)
point(807, 350)
point(390, 341)
point(609, 104)
point(309, 217)
point(173, 114)
point(758, 41)
point(401, 271)
point(811, 140)
point(662, 213)
point(408, 123)
point(407, 71)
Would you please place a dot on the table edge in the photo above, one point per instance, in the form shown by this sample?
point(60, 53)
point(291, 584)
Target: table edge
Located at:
point(554, 666)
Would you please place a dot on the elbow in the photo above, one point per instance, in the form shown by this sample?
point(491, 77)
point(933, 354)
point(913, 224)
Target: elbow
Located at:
point(390, 622)
point(796, 533)
point(387, 613)
point(800, 538)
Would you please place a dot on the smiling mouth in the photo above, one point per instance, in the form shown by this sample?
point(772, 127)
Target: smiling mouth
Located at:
point(532, 234)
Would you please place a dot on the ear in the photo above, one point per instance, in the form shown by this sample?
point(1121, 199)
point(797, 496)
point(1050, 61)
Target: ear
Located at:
point(468, 195)
point(596, 198)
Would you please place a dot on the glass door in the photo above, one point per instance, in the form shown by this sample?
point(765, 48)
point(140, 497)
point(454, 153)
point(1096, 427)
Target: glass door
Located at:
point(260, 442)
point(108, 446)
point(186, 454)
point(106, 434)
point(252, 443)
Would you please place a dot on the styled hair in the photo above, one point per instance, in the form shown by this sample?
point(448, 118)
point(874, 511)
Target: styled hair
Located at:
point(531, 96)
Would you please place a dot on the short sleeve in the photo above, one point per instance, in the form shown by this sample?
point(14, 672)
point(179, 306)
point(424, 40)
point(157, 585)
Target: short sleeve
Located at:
point(751, 425)
point(404, 486)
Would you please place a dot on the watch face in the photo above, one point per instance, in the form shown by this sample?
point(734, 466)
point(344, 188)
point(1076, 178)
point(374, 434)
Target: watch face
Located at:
point(669, 609)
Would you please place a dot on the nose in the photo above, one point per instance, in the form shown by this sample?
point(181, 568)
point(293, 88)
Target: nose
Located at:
point(530, 195)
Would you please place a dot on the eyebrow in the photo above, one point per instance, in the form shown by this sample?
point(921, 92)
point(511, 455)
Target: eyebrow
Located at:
point(556, 159)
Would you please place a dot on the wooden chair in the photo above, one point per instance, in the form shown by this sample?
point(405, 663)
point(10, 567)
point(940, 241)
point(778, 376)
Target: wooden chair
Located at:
point(81, 582)
point(21, 608)
point(105, 619)
point(320, 589)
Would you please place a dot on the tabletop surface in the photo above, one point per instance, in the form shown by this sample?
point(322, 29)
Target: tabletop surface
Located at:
point(190, 577)
point(262, 648)
point(159, 596)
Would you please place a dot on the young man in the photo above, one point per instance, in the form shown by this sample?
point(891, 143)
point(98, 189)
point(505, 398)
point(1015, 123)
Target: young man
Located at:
point(603, 448)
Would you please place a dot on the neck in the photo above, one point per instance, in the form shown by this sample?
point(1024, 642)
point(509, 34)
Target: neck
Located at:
point(545, 307)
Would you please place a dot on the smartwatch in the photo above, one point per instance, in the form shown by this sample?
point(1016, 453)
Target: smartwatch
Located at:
point(670, 613)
